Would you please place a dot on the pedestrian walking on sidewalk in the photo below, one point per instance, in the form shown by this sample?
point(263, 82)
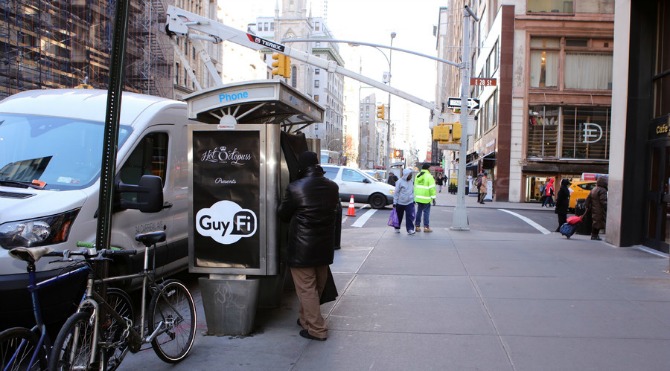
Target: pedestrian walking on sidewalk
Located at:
point(549, 194)
point(483, 183)
point(403, 201)
point(596, 204)
point(439, 181)
point(562, 203)
point(424, 195)
point(309, 206)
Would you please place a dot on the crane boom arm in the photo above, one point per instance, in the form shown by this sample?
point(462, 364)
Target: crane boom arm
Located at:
point(186, 24)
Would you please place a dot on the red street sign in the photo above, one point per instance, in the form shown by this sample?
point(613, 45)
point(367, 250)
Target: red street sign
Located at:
point(481, 81)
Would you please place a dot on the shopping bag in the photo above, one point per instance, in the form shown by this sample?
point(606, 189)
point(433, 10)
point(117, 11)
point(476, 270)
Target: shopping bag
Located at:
point(330, 290)
point(393, 219)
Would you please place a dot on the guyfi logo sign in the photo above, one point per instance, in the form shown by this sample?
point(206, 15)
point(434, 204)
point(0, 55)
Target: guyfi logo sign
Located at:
point(226, 222)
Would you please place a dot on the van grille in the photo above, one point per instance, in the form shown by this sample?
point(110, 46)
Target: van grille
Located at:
point(15, 195)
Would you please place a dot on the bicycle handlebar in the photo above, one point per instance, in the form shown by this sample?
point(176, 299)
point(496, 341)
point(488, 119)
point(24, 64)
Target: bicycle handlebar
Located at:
point(90, 254)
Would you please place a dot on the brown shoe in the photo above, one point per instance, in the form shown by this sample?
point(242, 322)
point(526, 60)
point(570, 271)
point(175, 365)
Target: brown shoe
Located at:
point(427, 230)
point(418, 229)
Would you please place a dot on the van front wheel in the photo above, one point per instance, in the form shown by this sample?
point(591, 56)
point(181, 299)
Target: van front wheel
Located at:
point(377, 201)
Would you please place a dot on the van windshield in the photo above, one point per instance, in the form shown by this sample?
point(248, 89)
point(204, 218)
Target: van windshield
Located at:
point(51, 152)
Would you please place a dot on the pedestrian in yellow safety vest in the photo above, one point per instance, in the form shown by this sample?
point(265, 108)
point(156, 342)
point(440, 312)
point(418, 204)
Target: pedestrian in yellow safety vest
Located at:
point(424, 195)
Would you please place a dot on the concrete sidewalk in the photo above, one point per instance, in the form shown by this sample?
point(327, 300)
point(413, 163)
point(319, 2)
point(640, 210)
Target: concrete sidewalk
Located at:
point(463, 300)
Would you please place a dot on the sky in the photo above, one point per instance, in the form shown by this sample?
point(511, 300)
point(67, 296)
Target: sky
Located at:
point(373, 21)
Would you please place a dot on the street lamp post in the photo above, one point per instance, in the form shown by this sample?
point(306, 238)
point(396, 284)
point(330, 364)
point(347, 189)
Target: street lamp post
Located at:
point(388, 109)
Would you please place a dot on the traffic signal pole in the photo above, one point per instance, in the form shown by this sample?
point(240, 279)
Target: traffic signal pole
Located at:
point(460, 217)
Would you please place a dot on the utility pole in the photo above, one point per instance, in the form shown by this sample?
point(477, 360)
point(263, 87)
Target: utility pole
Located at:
point(388, 110)
point(460, 218)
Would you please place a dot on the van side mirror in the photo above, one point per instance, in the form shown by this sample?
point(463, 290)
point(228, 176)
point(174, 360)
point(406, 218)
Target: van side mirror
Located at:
point(149, 194)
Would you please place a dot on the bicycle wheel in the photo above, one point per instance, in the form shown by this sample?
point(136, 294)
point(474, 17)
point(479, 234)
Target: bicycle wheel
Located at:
point(17, 346)
point(72, 348)
point(113, 331)
point(172, 305)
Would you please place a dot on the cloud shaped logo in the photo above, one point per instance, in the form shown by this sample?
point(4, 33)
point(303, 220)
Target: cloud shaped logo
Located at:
point(226, 222)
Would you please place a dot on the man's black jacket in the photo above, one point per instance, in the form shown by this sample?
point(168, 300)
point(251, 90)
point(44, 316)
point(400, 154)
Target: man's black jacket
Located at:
point(309, 206)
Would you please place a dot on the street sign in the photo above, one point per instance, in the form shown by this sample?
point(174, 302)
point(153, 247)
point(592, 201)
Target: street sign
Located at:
point(266, 43)
point(473, 103)
point(482, 81)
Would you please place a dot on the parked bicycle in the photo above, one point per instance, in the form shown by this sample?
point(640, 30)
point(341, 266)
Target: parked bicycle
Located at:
point(98, 337)
point(27, 349)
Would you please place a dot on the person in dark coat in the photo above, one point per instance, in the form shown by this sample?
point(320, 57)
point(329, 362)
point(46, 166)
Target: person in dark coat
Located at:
point(309, 206)
point(562, 202)
point(596, 203)
point(392, 179)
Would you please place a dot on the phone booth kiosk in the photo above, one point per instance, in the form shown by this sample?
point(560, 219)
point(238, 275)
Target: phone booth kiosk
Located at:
point(241, 158)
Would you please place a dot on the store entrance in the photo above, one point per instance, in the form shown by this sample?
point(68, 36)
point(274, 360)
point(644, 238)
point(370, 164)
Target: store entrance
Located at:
point(658, 198)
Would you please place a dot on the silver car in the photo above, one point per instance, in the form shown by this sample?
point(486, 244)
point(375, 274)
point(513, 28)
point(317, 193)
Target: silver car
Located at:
point(362, 186)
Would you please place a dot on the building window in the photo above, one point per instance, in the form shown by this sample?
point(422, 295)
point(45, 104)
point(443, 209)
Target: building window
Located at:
point(550, 6)
point(316, 83)
point(588, 71)
point(543, 131)
point(585, 133)
point(661, 76)
point(544, 63)
point(317, 71)
point(586, 64)
point(316, 98)
point(568, 132)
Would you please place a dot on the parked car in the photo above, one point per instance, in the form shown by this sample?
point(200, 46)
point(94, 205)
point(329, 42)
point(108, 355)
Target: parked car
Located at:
point(579, 189)
point(379, 175)
point(362, 186)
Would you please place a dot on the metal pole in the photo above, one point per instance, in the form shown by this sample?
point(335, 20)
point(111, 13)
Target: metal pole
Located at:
point(358, 43)
point(388, 131)
point(460, 218)
point(110, 141)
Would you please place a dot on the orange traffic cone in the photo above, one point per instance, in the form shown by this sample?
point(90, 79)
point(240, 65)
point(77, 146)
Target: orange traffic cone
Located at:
point(352, 210)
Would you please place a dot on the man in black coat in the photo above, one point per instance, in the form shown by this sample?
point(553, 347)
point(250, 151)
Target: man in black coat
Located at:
point(562, 203)
point(309, 206)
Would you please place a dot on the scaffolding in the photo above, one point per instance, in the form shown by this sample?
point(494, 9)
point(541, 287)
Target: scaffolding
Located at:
point(66, 43)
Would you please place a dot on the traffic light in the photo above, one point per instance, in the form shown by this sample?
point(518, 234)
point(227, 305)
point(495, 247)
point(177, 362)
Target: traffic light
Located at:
point(281, 65)
point(381, 112)
point(447, 133)
point(397, 153)
point(442, 132)
point(287, 67)
point(456, 132)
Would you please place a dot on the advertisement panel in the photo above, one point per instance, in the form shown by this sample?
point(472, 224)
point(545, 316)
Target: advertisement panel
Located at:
point(226, 204)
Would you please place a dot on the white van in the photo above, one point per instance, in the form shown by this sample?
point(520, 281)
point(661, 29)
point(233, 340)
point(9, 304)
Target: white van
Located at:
point(50, 158)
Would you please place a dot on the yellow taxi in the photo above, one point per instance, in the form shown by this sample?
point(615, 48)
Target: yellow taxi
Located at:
point(579, 189)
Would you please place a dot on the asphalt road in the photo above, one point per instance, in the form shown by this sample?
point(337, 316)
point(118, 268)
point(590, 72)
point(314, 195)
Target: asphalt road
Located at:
point(492, 218)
